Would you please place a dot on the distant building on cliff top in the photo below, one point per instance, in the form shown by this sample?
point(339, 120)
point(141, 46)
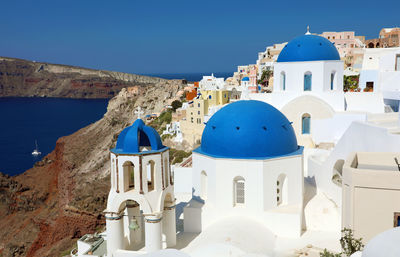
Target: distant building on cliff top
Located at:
point(199, 110)
point(349, 46)
point(267, 58)
point(388, 37)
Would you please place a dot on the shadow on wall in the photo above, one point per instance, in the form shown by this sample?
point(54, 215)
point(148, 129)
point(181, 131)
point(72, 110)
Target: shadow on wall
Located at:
point(183, 238)
point(310, 190)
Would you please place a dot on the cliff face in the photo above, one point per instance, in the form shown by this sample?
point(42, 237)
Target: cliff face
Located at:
point(20, 78)
point(46, 209)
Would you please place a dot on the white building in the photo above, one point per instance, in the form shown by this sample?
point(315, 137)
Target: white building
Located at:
point(371, 192)
point(211, 83)
point(308, 87)
point(141, 204)
point(174, 129)
point(381, 73)
point(267, 58)
point(248, 164)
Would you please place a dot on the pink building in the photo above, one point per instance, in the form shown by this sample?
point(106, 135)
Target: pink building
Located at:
point(253, 72)
point(347, 44)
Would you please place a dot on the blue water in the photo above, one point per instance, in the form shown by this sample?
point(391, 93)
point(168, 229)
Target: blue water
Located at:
point(24, 120)
point(191, 76)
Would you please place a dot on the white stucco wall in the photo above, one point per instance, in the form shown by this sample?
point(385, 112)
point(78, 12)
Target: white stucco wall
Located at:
point(260, 178)
point(365, 102)
point(331, 129)
point(359, 137)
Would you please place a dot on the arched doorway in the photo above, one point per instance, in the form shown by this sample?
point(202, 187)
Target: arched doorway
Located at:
point(371, 45)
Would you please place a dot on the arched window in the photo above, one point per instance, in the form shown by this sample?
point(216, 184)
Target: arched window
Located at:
point(307, 81)
point(305, 123)
point(150, 176)
point(166, 173)
point(333, 74)
point(371, 45)
point(282, 190)
point(203, 185)
point(283, 81)
point(129, 176)
point(238, 191)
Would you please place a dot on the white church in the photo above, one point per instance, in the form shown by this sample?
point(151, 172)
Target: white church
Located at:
point(251, 163)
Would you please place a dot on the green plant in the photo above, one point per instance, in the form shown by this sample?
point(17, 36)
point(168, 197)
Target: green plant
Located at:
point(165, 136)
point(177, 156)
point(326, 253)
point(350, 83)
point(63, 253)
point(176, 104)
point(350, 244)
point(265, 76)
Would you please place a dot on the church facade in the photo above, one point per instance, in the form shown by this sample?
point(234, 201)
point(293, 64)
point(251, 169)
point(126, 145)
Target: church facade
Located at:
point(249, 164)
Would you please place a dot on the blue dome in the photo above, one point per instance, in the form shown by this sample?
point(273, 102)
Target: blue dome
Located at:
point(248, 129)
point(245, 79)
point(309, 48)
point(137, 135)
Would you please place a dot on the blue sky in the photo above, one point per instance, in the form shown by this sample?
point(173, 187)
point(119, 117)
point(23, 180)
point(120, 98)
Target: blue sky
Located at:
point(175, 36)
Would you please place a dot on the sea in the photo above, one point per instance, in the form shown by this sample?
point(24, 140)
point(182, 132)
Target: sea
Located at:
point(26, 120)
point(191, 76)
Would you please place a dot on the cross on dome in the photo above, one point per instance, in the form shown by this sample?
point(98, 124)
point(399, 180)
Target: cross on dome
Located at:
point(308, 30)
point(139, 112)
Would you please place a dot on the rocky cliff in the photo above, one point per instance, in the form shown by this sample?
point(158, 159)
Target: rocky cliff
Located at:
point(46, 209)
point(21, 78)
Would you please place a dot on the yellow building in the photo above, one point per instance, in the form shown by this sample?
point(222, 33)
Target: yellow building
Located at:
point(193, 125)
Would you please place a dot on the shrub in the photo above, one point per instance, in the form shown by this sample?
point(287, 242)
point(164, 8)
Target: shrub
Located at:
point(349, 244)
point(326, 253)
point(176, 104)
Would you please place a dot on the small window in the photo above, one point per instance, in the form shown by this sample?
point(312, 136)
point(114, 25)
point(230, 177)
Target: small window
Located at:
point(209, 97)
point(305, 123)
point(198, 112)
point(191, 119)
point(198, 105)
point(396, 220)
point(397, 68)
point(239, 191)
point(370, 86)
point(307, 81)
point(332, 80)
point(283, 81)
